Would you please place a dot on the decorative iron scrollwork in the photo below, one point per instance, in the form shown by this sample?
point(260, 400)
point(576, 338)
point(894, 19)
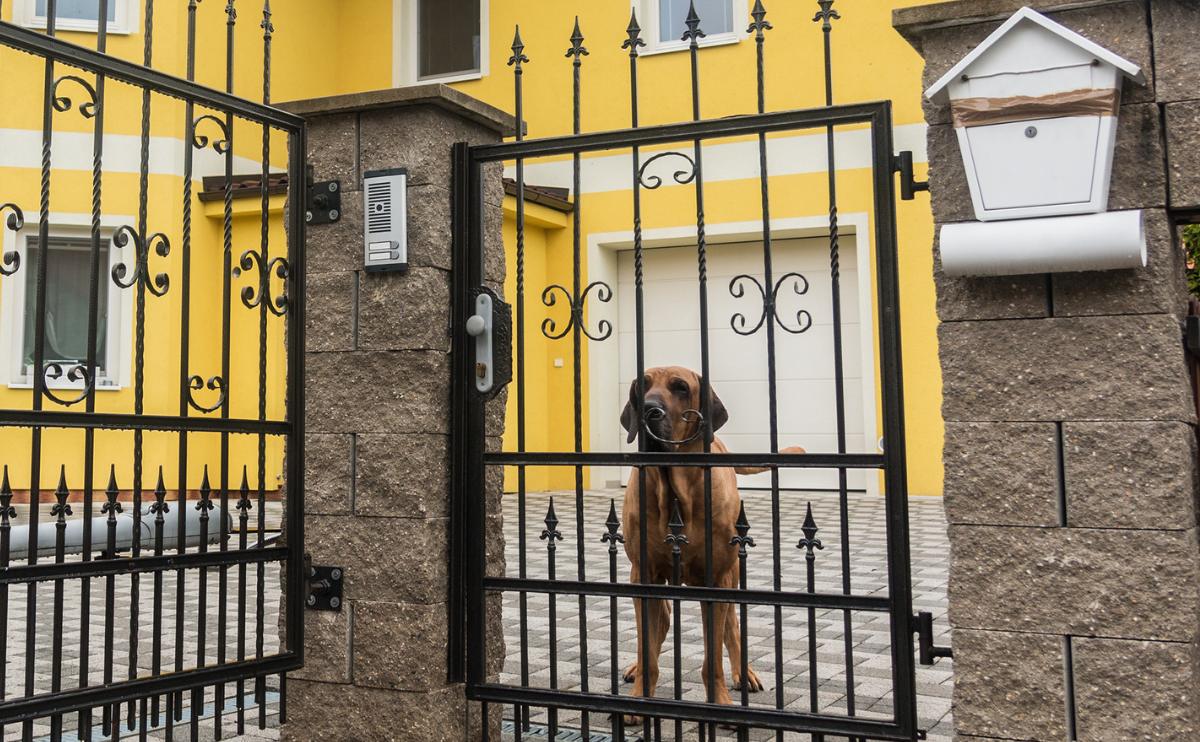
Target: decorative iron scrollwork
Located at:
point(62, 103)
point(78, 374)
point(251, 298)
point(826, 15)
point(682, 177)
point(214, 384)
point(658, 413)
point(10, 262)
point(161, 246)
point(770, 303)
point(200, 141)
point(550, 327)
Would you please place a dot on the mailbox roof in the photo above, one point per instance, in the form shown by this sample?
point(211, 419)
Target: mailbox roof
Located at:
point(1029, 15)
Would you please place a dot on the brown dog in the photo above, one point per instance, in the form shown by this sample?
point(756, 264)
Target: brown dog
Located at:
point(671, 404)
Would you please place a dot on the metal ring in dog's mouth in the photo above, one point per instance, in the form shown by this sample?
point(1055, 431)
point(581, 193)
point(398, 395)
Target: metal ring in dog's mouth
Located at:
point(657, 413)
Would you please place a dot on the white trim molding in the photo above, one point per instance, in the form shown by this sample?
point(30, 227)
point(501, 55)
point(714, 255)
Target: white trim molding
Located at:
point(115, 363)
point(405, 46)
point(125, 18)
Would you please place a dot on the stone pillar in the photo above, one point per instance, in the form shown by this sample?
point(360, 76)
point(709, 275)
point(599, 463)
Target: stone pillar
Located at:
point(377, 471)
point(1070, 427)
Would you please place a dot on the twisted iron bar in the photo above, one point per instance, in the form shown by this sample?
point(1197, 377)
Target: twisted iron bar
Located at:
point(10, 262)
point(200, 141)
point(682, 177)
point(78, 374)
point(252, 260)
point(141, 269)
point(550, 328)
point(62, 103)
point(215, 384)
point(770, 303)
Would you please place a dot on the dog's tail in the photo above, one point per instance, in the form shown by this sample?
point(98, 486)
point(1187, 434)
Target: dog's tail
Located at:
point(761, 469)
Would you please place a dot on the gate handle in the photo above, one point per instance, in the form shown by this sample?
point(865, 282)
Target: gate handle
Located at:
point(479, 326)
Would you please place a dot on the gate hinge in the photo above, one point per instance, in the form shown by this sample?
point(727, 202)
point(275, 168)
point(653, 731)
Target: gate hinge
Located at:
point(324, 204)
point(927, 650)
point(324, 588)
point(909, 186)
point(1191, 335)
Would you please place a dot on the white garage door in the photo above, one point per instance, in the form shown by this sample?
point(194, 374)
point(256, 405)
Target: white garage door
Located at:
point(804, 363)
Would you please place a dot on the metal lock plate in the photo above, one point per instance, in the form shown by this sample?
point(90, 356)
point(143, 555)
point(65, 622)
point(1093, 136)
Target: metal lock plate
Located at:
point(324, 203)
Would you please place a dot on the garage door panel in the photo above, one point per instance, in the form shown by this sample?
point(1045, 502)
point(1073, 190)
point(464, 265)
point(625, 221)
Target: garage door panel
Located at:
point(804, 407)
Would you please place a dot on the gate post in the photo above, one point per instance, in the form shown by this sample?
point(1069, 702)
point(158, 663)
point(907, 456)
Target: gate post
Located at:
point(1070, 456)
point(377, 502)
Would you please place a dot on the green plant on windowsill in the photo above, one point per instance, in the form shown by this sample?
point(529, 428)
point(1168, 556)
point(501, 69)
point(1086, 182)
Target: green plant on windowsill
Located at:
point(1191, 250)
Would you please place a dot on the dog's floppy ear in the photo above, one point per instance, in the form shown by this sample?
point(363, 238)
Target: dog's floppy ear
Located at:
point(629, 416)
point(720, 415)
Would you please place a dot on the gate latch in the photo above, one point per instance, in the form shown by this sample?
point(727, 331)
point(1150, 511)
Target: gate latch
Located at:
point(927, 650)
point(324, 588)
point(491, 326)
point(324, 203)
point(909, 186)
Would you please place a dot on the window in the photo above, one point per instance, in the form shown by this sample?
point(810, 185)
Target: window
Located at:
point(77, 15)
point(68, 276)
point(439, 41)
point(665, 21)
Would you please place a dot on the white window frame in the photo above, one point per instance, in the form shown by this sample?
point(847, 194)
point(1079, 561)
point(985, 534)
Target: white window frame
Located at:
point(115, 363)
point(125, 18)
point(406, 47)
point(648, 14)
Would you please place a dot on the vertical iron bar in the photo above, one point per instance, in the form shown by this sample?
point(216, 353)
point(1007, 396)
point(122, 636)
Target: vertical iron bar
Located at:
point(676, 538)
point(613, 537)
point(111, 720)
point(60, 511)
point(39, 355)
point(159, 508)
point(743, 541)
point(809, 543)
point(7, 513)
point(550, 534)
point(578, 52)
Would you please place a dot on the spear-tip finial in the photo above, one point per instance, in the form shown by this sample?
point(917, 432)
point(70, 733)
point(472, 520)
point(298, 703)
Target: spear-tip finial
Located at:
point(810, 540)
point(613, 524)
point(5, 489)
point(635, 35)
point(267, 27)
point(231, 11)
point(760, 24)
point(518, 50)
point(826, 14)
point(551, 532)
point(693, 33)
point(577, 49)
point(742, 539)
point(61, 493)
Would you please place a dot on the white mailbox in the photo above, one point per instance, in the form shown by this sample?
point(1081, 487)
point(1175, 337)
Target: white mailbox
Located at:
point(1035, 109)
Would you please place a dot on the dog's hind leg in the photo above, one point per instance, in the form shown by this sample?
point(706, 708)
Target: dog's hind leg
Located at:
point(733, 645)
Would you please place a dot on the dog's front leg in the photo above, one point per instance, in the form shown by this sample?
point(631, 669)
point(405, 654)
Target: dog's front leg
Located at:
point(652, 626)
point(713, 672)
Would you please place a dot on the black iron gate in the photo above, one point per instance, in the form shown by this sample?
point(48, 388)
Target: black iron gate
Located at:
point(164, 414)
point(578, 621)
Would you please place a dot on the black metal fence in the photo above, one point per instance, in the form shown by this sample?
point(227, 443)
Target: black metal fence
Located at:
point(550, 574)
point(157, 582)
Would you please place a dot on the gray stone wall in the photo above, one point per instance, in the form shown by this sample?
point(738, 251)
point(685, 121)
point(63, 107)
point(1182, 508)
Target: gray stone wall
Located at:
point(1070, 426)
point(378, 378)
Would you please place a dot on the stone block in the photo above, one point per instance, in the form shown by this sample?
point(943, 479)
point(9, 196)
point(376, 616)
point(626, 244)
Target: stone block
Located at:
point(1159, 288)
point(1127, 690)
point(333, 149)
point(1065, 369)
point(1138, 177)
point(378, 392)
point(1176, 55)
point(318, 712)
point(409, 311)
point(329, 314)
point(1001, 474)
point(1115, 583)
point(418, 138)
point(402, 476)
point(1130, 475)
point(430, 237)
point(950, 194)
point(400, 646)
point(400, 560)
point(1183, 148)
point(326, 646)
point(1009, 685)
point(328, 468)
point(988, 297)
point(337, 247)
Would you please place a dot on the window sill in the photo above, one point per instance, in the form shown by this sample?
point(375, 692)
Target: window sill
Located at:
point(64, 25)
point(69, 386)
point(669, 47)
point(446, 79)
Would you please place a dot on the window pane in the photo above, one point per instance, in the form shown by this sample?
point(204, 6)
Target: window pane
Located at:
point(448, 37)
point(716, 16)
point(68, 279)
point(82, 10)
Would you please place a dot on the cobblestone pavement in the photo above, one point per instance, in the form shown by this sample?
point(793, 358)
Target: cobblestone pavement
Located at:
point(870, 642)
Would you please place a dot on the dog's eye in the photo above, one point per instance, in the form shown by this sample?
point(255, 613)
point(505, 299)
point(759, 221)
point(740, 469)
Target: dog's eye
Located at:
point(680, 387)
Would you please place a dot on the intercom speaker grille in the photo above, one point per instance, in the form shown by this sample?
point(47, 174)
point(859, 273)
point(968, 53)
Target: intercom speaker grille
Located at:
point(379, 207)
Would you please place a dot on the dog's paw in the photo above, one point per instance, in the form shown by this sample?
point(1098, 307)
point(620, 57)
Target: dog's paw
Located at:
point(631, 673)
point(755, 684)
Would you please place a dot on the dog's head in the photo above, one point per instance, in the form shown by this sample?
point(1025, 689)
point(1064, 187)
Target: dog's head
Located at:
point(671, 407)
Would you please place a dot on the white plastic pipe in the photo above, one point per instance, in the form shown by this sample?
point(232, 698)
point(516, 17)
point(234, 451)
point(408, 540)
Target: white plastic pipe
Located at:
point(1092, 242)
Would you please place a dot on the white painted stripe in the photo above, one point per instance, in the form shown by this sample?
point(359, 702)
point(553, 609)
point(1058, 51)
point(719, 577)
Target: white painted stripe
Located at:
point(22, 148)
point(793, 155)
